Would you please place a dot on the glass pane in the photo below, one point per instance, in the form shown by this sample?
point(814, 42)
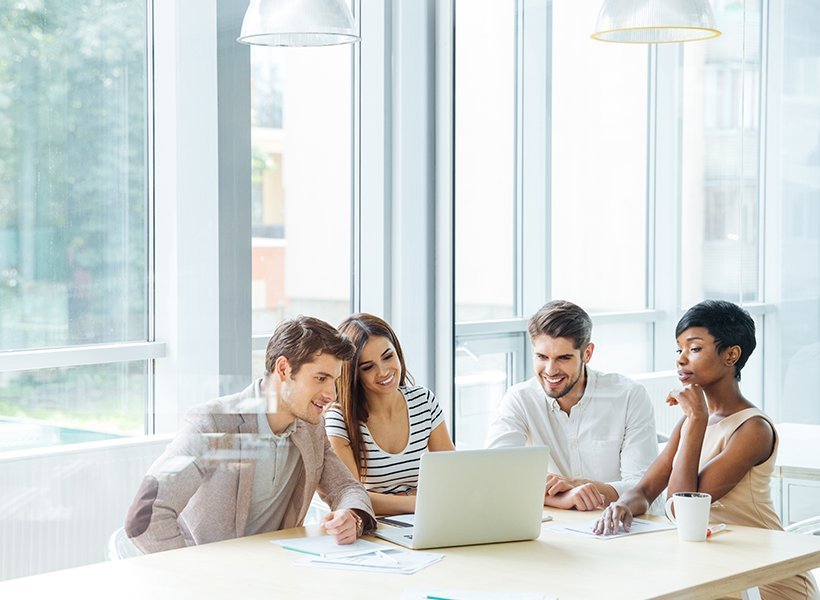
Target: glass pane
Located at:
point(599, 158)
point(626, 348)
point(73, 266)
point(73, 404)
point(720, 166)
point(485, 368)
point(301, 188)
point(794, 196)
point(751, 382)
point(485, 159)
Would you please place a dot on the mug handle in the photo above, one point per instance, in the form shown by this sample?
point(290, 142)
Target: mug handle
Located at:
point(668, 508)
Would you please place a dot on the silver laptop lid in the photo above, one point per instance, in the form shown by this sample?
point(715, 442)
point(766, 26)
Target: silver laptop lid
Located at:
point(480, 496)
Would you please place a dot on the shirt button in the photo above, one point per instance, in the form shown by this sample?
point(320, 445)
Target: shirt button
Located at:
point(574, 445)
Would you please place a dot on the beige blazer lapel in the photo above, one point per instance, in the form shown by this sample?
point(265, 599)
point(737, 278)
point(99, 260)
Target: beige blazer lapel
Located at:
point(304, 440)
point(247, 431)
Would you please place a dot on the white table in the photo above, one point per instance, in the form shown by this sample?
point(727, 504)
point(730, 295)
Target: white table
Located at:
point(654, 565)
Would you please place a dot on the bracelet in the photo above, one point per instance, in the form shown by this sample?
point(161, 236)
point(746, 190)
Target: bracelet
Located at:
point(359, 523)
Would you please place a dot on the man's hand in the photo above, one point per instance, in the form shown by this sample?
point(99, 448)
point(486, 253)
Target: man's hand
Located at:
point(582, 497)
point(558, 484)
point(342, 525)
point(614, 515)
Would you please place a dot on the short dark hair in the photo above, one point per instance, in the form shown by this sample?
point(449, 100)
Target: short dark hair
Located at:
point(562, 319)
point(725, 321)
point(302, 339)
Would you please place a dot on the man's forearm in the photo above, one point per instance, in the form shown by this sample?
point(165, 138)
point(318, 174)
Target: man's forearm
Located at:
point(606, 490)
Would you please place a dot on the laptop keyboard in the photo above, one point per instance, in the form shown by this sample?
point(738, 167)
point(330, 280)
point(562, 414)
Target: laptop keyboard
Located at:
point(394, 523)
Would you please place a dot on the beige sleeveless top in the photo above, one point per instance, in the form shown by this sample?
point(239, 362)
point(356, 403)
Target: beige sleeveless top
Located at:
point(749, 503)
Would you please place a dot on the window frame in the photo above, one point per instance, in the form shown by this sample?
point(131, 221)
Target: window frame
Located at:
point(664, 205)
point(148, 350)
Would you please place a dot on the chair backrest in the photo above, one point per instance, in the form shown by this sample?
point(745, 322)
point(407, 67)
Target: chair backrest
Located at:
point(810, 526)
point(120, 546)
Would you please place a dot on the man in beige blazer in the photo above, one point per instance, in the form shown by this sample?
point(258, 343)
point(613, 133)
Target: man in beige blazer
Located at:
point(250, 462)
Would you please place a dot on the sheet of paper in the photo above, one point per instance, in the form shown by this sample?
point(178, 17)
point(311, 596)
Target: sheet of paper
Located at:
point(325, 545)
point(638, 526)
point(390, 560)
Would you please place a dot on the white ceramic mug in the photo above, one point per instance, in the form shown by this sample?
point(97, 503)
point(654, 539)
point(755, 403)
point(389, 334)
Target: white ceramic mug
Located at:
point(691, 514)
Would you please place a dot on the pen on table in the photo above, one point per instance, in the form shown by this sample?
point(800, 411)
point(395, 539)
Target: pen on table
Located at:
point(714, 529)
point(381, 554)
point(546, 518)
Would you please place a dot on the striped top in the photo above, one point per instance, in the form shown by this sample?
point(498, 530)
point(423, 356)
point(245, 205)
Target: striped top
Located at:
point(395, 473)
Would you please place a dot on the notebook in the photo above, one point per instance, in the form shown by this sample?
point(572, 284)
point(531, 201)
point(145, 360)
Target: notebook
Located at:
point(475, 497)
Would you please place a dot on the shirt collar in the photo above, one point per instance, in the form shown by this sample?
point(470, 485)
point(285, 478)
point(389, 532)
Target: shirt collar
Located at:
point(266, 432)
point(263, 427)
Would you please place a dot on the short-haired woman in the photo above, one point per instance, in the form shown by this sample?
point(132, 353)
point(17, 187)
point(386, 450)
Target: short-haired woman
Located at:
point(724, 445)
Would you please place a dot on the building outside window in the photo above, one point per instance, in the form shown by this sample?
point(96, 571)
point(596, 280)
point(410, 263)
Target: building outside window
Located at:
point(301, 136)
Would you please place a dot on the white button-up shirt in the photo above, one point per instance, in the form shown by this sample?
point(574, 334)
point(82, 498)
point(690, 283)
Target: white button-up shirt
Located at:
point(609, 436)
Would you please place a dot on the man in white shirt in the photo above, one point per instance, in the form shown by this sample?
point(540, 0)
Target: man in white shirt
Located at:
point(600, 427)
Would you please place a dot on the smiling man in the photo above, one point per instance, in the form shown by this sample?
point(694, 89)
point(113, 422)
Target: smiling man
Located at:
point(599, 427)
point(249, 463)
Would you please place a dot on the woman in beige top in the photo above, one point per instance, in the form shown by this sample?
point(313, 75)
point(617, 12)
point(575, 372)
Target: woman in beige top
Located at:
point(723, 445)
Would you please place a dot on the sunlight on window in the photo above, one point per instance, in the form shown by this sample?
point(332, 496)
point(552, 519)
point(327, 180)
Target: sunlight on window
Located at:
point(301, 186)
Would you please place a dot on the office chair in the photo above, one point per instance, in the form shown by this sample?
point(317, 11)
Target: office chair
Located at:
point(120, 546)
point(810, 526)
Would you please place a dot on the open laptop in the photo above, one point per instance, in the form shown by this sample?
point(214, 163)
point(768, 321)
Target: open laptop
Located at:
point(475, 497)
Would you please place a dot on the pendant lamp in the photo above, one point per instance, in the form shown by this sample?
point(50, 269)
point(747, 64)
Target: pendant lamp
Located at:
point(298, 23)
point(655, 21)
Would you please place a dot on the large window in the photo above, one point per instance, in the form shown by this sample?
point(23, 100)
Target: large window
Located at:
point(485, 159)
point(599, 190)
point(301, 139)
point(793, 211)
point(720, 160)
point(73, 211)
point(675, 174)
point(550, 194)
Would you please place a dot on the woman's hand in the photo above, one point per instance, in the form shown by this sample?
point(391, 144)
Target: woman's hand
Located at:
point(614, 515)
point(692, 401)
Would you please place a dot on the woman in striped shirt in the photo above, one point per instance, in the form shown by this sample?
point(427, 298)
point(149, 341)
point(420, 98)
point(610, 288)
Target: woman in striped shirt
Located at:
point(382, 423)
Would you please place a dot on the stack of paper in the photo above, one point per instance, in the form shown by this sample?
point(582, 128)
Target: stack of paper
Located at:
point(358, 556)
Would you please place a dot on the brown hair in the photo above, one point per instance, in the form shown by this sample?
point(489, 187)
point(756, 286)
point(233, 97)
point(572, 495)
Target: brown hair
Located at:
point(302, 339)
point(562, 319)
point(359, 328)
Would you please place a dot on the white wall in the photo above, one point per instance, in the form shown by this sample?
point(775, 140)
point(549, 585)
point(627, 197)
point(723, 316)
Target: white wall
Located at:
point(58, 507)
